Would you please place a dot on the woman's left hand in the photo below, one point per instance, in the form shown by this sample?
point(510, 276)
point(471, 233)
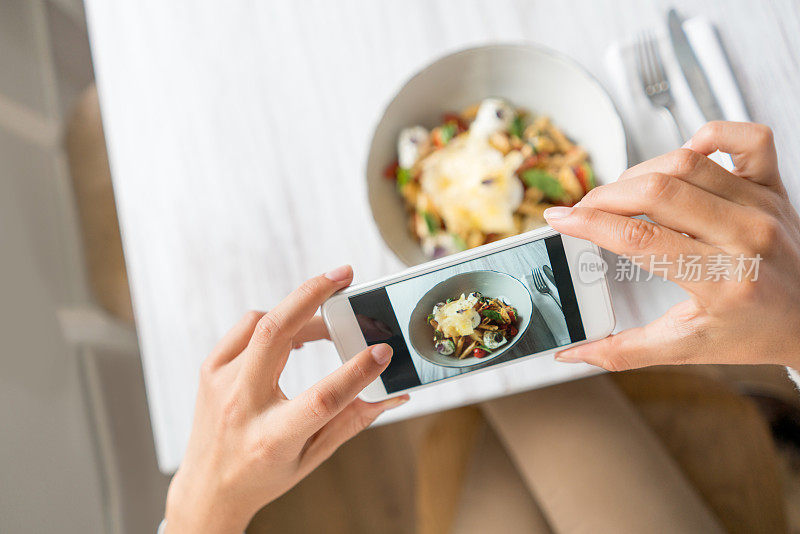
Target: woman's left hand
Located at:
point(700, 210)
point(249, 443)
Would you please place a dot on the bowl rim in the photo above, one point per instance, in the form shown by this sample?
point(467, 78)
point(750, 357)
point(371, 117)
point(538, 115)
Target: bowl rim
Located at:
point(515, 44)
point(510, 344)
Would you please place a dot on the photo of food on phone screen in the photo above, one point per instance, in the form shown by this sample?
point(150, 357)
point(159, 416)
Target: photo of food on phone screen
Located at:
point(489, 310)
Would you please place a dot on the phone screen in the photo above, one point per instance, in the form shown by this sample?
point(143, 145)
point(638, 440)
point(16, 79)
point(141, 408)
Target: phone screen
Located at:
point(476, 314)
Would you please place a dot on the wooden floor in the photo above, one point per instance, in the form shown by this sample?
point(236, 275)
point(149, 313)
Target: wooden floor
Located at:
point(401, 478)
point(406, 477)
point(367, 486)
point(720, 441)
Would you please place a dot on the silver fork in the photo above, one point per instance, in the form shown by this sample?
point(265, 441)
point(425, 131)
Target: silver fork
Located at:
point(541, 285)
point(654, 79)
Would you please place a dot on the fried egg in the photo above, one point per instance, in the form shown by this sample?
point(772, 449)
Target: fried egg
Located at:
point(473, 185)
point(457, 318)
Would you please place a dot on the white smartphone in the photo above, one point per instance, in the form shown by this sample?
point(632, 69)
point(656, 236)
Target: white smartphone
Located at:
point(494, 305)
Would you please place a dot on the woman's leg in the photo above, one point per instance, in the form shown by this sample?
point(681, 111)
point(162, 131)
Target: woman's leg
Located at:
point(592, 463)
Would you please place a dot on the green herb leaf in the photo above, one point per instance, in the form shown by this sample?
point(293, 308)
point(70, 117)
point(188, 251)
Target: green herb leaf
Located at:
point(544, 181)
point(430, 222)
point(448, 132)
point(403, 177)
point(517, 126)
point(459, 243)
point(493, 315)
point(430, 317)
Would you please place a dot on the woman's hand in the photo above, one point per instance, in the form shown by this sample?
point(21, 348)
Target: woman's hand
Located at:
point(249, 443)
point(700, 209)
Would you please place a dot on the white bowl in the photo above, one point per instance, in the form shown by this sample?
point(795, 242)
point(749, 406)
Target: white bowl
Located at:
point(488, 283)
point(529, 76)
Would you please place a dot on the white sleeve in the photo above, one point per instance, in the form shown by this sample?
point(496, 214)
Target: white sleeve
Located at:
point(794, 375)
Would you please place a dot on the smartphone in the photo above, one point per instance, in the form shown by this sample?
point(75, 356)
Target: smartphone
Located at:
point(501, 303)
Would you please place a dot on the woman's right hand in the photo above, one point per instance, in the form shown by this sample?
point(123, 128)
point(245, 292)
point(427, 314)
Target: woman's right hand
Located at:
point(701, 210)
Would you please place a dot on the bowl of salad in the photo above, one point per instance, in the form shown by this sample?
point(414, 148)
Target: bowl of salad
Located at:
point(470, 318)
point(478, 144)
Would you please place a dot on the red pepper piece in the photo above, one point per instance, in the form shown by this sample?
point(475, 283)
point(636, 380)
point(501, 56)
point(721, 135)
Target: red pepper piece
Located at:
point(528, 163)
point(390, 172)
point(580, 174)
point(479, 353)
point(436, 135)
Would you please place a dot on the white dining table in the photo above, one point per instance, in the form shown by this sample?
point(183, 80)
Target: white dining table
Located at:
point(237, 135)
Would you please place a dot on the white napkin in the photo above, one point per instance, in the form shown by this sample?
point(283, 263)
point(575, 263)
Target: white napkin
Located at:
point(550, 311)
point(650, 130)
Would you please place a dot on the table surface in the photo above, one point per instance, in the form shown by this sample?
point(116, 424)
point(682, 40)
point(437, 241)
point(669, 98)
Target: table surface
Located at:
point(237, 137)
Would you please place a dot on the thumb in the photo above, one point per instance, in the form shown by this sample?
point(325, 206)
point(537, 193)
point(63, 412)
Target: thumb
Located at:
point(671, 339)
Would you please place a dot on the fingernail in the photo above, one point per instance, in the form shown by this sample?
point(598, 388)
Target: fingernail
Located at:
point(558, 212)
point(339, 274)
point(382, 353)
point(565, 357)
point(687, 144)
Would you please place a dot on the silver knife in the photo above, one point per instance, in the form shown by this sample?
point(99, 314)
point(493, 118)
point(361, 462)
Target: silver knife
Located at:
point(694, 73)
point(549, 273)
